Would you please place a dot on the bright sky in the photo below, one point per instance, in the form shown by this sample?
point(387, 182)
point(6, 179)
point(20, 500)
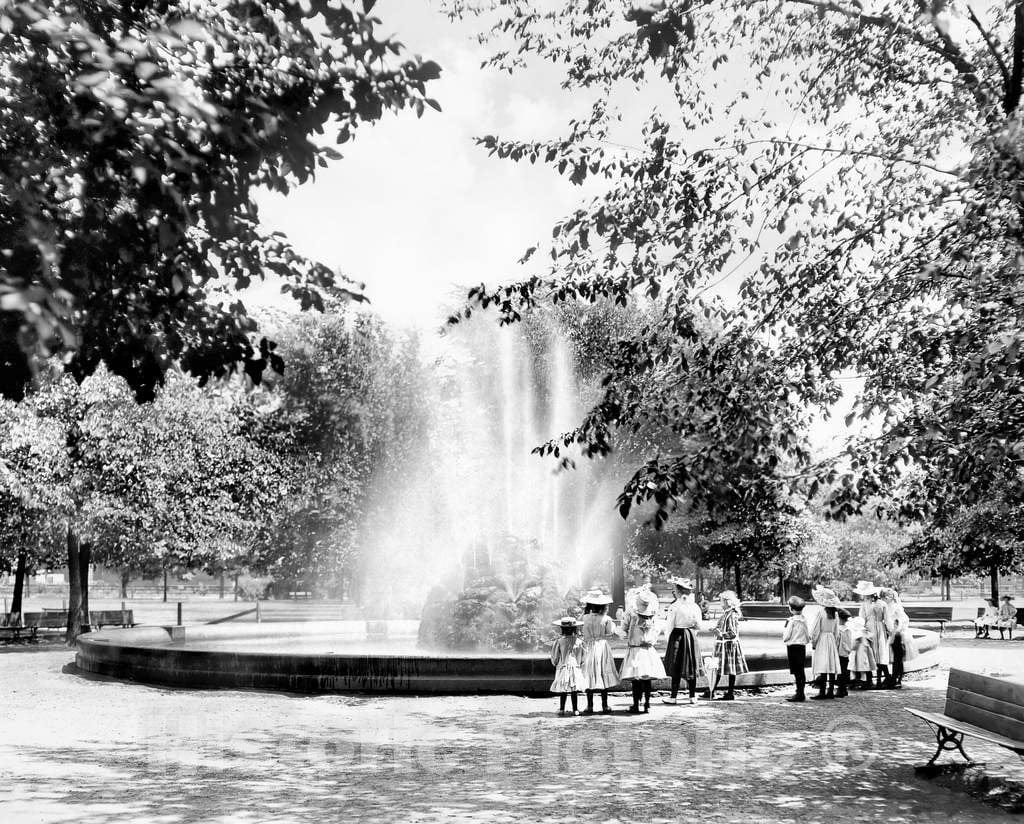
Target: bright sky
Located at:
point(415, 208)
point(417, 211)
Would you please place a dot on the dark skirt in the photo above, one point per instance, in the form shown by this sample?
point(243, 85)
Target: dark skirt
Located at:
point(682, 655)
point(797, 658)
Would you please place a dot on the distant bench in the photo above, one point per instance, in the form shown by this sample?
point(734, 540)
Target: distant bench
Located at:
point(988, 708)
point(57, 619)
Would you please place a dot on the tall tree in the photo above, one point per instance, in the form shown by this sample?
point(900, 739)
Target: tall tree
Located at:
point(132, 138)
point(856, 167)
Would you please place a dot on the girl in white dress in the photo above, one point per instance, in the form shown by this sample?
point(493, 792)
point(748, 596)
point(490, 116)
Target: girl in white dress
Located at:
point(825, 642)
point(642, 663)
point(566, 655)
point(984, 624)
point(598, 661)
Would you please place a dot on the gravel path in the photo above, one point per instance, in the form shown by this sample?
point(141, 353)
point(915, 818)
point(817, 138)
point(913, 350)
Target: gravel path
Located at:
point(78, 749)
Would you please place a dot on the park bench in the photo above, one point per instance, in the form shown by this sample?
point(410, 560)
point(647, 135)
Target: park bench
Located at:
point(14, 629)
point(300, 594)
point(930, 615)
point(988, 708)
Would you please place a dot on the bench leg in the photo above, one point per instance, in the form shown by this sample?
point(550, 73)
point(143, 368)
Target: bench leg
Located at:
point(949, 741)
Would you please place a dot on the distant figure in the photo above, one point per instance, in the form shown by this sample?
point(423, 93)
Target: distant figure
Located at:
point(989, 619)
point(642, 663)
point(598, 661)
point(702, 602)
point(796, 636)
point(825, 642)
point(682, 655)
point(1007, 618)
point(728, 652)
point(567, 655)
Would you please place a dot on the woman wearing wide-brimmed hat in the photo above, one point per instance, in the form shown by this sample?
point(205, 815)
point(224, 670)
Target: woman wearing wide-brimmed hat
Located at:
point(598, 661)
point(825, 642)
point(682, 656)
point(1007, 618)
point(566, 655)
point(728, 652)
point(642, 664)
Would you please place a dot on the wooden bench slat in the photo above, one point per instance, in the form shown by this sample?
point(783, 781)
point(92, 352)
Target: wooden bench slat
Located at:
point(1008, 709)
point(983, 719)
point(998, 688)
point(968, 729)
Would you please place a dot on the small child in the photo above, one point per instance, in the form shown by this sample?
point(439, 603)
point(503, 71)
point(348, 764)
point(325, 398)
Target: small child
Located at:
point(566, 655)
point(1007, 618)
point(825, 641)
point(862, 657)
point(642, 664)
point(728, 650)
point(845, 650)
point(598, 661)
point(984, 624)
point(796, 637)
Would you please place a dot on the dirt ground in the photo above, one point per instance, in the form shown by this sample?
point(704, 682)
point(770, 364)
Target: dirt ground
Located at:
point(82, 749)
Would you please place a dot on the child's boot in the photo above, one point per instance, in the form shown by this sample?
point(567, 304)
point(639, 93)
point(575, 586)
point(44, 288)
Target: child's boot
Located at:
point(590, 703)
point(821, 690)
point(831, 692)
point(605, 709)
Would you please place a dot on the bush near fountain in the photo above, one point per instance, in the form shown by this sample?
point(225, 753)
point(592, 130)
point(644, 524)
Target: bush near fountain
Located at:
point(507, 604)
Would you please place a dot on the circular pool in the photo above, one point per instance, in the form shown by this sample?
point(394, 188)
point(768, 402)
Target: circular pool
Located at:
point(375, 657)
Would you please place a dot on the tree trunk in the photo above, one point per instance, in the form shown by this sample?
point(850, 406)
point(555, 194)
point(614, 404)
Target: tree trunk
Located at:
point(782, 588)
point(19, 587)
point(74, 589)
point(618, 576)
point(222, 584)
point(125, 577)
point(994, 576)
point(946, 588)
point(84, 559)
point(236, 586)
point(738, 593)
point(165, 585)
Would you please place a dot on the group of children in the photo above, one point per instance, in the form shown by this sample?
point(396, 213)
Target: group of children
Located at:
point(849, 652)
point(584, 662)
point(1003, 618)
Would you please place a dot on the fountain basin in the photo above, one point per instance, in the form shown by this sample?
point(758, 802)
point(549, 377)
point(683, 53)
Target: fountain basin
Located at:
point(334, 656)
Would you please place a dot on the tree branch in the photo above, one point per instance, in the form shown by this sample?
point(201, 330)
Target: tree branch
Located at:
point(991, 47)
point(1013, 89)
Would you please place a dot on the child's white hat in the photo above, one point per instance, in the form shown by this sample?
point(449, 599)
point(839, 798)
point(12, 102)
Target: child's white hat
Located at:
point(567, 621)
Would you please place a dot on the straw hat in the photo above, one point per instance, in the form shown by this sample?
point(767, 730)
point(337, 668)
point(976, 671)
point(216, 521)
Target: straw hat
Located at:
point(567, 621)
point(646, 604)
point(825, 597)
point(682, 583)
point(1006, 598)
point(730, 598)
point(595, 596)
point(865, 588)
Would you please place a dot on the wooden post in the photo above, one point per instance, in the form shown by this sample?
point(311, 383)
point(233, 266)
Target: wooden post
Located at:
point(179, 613)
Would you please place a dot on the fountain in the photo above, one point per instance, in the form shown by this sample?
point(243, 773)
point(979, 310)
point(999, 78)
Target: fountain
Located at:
point(473, 509)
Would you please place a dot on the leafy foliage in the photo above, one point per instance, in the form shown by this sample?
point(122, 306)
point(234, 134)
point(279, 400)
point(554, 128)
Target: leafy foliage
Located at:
point(133, 135)
point(857, 167)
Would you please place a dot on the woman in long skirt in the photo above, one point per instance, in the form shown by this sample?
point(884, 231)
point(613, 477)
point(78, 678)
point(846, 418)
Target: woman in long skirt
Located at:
point(728, 652)
point(598, 661)
point(682, 656)
point(872, 616)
